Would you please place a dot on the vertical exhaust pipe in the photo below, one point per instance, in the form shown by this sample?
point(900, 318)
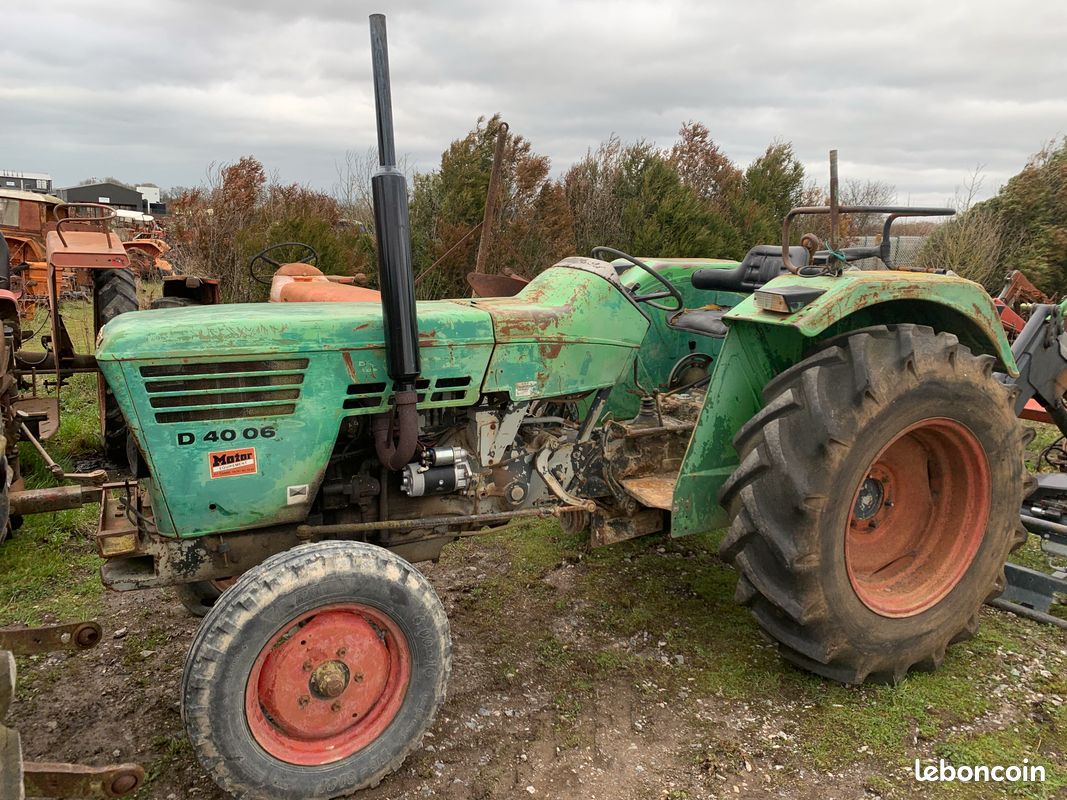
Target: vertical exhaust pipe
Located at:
point(395, 433)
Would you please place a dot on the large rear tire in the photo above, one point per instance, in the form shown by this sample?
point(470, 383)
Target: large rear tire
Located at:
point(114, 293)
point(316, 673)
point(876, 502)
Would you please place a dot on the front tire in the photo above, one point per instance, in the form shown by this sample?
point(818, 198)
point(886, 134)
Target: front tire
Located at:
point(876, 502)
point(316, 673)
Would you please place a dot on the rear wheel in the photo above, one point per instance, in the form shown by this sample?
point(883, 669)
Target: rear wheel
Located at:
point(876, 502)
point(114, 293)
point(316, 673)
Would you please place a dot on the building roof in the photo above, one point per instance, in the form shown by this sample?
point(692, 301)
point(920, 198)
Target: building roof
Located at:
point(39, 197)
point(97, 183)
point(34, 176)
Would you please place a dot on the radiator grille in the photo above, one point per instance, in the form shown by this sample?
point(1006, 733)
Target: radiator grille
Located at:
point(376, 395)
point(224, 390)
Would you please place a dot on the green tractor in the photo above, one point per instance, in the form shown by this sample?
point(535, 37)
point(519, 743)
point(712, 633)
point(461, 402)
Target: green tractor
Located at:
point(851, 427)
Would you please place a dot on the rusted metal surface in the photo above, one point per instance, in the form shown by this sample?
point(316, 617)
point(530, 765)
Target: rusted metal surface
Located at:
point(654, 491)
point(1019, 289)
point(50, 638)
point(918, 518)
point(24, 249)
point(146, 257)
point(10, 765)
point(7, 681)
point(348, 529)
point(45, 779)
point(56, 498)
point(319, 697)
point(158, 561)
point(82, 238)
point(610, 530)
point(492, 285)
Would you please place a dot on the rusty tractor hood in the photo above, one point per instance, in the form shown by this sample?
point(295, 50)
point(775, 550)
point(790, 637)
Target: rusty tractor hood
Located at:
point(281, 328)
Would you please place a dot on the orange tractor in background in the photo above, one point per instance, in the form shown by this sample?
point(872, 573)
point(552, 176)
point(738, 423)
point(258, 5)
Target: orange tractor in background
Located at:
point(26, 219)
point(75, 252)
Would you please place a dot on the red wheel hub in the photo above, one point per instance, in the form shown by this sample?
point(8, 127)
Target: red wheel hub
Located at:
point(918, 518)
point(327, 684)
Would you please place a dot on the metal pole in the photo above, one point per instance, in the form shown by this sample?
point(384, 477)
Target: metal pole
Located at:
point(833, 200)
point(383, 98)
point(491, 197)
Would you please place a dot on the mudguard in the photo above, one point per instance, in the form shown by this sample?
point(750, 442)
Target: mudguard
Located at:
point(761, 344)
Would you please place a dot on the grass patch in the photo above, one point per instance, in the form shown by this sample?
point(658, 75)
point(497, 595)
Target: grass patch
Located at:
point(50, 569)
point(174, 751)
point(666, 617)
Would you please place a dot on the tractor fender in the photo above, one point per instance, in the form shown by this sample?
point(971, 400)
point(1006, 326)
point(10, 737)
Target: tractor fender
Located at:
point(761, 344)
point(9, 309)
point(862, 298)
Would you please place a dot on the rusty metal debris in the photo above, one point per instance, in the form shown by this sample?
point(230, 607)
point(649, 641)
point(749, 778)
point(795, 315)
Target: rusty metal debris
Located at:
point(18, 778)
point(50, 638)
point(45, 779)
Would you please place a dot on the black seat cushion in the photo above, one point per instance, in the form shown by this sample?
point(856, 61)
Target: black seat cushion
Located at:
point(762, 263)
point(706, 321)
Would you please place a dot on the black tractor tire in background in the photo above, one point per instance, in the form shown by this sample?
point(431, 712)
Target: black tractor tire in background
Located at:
point(316, 673)
point(891, 444)
point(199, 597)
point(114, 293)
point(173, 302)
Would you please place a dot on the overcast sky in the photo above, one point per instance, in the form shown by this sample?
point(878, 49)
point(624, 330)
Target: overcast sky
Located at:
point(916, 94)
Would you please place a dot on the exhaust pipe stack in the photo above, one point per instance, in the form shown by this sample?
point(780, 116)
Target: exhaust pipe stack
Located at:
point(395, 273)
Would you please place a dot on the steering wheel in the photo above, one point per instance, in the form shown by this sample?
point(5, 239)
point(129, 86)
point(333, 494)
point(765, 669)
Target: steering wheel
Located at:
point(263, 255)
point(670, 289)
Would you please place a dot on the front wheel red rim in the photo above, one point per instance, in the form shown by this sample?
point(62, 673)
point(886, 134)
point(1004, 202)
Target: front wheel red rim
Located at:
point(327, 684)
point(918, 518)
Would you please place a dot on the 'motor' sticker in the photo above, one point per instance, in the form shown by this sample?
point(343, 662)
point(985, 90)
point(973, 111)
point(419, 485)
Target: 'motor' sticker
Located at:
point(226, 463)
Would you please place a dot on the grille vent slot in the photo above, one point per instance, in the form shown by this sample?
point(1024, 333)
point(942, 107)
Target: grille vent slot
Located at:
point(373, 395)
point(229, 390)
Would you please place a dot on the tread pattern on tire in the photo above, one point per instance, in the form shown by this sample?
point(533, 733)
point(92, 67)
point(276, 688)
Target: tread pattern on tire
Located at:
point(774, 497)
point(233, 609)
point(114, 293)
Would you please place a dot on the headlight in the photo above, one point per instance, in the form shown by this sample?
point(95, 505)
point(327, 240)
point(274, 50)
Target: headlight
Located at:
point(786, 299)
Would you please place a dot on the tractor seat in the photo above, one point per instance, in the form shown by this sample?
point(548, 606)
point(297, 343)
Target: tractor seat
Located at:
point(706, 321)
point(761, 264)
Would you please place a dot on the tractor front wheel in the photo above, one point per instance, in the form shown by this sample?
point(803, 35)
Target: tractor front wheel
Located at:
point(876, 502)
point(316, 673)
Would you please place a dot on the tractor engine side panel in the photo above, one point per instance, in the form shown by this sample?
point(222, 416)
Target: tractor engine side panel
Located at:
point(569, 331)
point(242, 441)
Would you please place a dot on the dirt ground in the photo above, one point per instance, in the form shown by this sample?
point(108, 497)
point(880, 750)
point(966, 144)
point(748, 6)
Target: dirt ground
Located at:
point(577, 674)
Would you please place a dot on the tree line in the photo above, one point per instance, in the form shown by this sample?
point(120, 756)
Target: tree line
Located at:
point(686, 200)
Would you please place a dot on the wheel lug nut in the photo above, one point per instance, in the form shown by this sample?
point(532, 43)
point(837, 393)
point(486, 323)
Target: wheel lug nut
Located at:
point(307, 666)
point(303, 701)
point(341, 652)
point(336, 706)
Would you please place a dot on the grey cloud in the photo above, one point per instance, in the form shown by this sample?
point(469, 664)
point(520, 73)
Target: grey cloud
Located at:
point(912, 93)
